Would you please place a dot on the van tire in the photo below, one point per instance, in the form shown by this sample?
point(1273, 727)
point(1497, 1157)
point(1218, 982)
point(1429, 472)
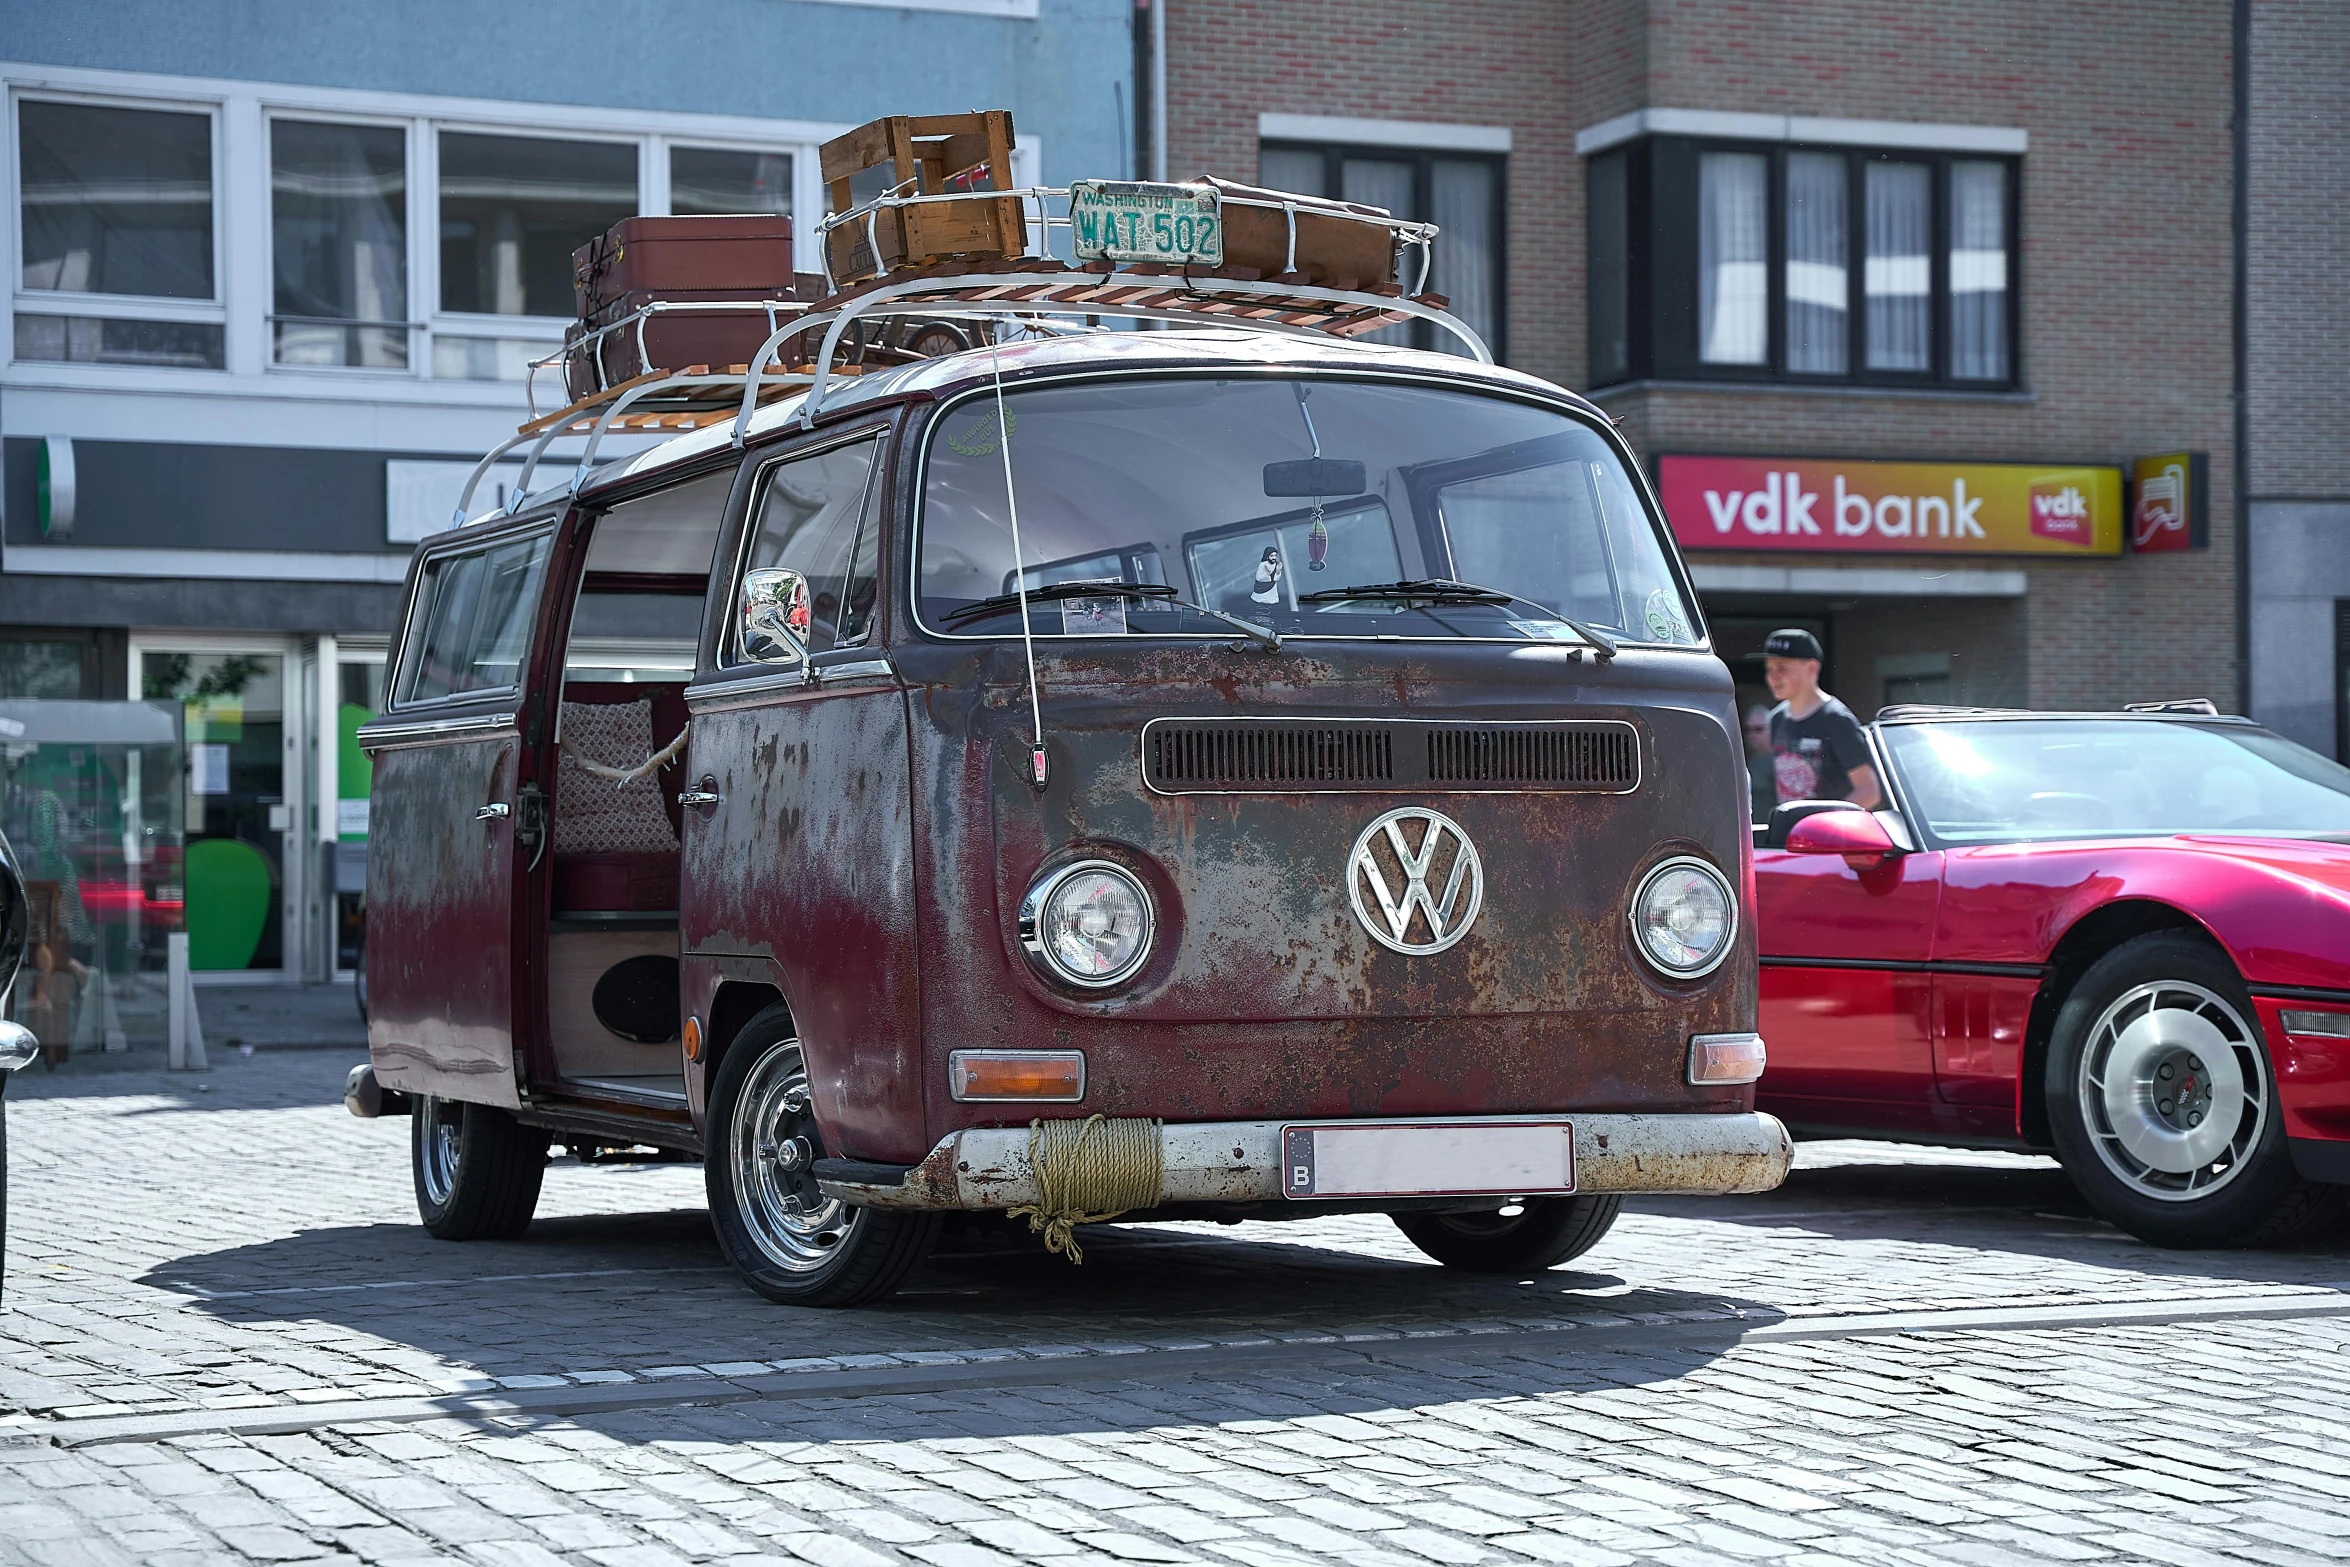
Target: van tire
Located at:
point(788, 1241)
point(2128, 1013)
point(477, 1169)
point(1552, 1230)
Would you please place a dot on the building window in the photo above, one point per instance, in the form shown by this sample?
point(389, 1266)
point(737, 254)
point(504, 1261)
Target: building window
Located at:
point(1728, 262)
point(1818, 296)
point(396, 243)
point(1978, 271)
point(1461, 193)
point(1611, 271)
point(1733, 272)
point(512, 210)
point(339, 244)
point(2342, 680)
point(720, 181)
point(116, 212)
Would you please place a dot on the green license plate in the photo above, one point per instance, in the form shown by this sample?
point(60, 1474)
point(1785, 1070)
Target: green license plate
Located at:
point(1123, 220)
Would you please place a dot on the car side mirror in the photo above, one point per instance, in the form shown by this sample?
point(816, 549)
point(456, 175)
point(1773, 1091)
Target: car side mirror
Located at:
point(775, 616)
point(1857, 835)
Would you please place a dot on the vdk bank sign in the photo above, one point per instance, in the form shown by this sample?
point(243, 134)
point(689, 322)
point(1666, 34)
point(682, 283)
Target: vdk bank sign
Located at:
point(1857, 506)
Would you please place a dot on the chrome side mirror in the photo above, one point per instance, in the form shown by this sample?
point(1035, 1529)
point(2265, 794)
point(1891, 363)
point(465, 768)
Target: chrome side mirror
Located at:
point(775, 616)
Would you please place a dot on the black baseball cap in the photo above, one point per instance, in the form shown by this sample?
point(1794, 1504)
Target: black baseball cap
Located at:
point(1794, 642)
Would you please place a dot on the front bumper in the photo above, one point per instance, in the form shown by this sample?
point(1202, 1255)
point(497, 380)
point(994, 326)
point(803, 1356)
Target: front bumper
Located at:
point(987, 1168)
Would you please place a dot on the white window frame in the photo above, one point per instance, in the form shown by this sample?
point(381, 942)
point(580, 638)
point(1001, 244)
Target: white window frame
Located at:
point(488, 325)
point(417, 238)
point(119, 307)
point(244, 280)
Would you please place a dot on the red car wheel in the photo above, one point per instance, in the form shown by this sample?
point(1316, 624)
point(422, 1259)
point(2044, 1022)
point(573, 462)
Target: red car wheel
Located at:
point(2164, 1109)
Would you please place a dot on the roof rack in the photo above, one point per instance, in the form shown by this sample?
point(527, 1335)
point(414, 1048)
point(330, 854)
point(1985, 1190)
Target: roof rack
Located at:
point(2201, 706)
point(991, 288)
point(1899, 711)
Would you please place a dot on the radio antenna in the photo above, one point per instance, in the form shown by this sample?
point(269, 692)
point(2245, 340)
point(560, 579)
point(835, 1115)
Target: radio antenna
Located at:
point(1036, 761)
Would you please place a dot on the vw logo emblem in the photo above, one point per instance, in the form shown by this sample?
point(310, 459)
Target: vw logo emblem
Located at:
point(1415, 881)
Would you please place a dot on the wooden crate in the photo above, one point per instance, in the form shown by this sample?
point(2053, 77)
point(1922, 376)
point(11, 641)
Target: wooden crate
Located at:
point(929, 155)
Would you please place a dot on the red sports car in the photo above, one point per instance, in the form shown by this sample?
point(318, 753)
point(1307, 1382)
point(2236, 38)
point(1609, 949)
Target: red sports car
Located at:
point(2123, 937)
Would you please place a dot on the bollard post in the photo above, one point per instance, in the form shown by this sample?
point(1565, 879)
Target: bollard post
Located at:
point(187, 1025)
point(175, 986)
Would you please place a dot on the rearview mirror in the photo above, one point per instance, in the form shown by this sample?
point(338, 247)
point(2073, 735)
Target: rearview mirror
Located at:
point(775, 616)
point(1316, 476)
point(1857, 835)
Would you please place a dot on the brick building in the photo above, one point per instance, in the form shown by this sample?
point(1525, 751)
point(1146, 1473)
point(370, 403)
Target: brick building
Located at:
point(1989, 245)
point(2297, 361)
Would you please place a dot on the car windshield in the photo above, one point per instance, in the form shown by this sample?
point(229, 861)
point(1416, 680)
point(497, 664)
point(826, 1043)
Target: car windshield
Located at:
point(2013, 780)
point(1288, 503)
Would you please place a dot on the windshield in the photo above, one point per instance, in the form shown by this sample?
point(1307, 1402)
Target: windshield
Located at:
point(1252, 496)
point(2016, 780)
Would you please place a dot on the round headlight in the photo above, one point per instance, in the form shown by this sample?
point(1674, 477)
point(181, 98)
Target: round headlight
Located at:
point(1683, 917)
point(1090, 923)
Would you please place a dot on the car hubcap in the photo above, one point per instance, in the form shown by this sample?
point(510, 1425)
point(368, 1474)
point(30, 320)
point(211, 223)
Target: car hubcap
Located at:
point(773, 1138)
point(2174, 1088)
point(441, 1122)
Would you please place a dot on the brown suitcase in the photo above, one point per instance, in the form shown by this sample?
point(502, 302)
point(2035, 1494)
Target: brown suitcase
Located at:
point(672, 339)
point(701, 260)
point(1335, 248)
point(748, 256)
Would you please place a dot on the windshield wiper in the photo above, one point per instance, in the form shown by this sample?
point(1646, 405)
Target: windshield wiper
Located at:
point(1158, 592)
point(1446, 590)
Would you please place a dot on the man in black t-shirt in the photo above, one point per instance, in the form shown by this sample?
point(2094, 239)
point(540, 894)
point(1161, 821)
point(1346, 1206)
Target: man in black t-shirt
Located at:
point(1817, 749)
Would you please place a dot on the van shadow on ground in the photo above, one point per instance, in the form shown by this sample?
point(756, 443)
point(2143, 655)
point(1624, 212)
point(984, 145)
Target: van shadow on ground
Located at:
point(599, 1291)
point(635, 1291)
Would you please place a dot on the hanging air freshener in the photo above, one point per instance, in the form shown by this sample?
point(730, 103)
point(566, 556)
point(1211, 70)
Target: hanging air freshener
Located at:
point(1317, 542)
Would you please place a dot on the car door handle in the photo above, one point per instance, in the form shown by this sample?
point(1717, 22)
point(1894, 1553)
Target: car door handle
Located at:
point(492, 813)
point(697, 797)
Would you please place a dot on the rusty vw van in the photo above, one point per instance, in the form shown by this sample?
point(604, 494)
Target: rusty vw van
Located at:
point(1231, 771)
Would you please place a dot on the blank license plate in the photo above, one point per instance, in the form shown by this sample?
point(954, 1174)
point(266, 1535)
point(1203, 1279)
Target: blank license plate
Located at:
point(1126, 220)
point(1427, 1159)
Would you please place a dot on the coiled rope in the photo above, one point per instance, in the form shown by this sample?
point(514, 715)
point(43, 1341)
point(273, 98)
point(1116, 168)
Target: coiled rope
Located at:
point(1087, 1171)
point(622, 777)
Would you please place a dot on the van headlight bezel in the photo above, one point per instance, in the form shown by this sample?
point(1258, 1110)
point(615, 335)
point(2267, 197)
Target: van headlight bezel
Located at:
point(1653, 883)
point(1036, 910)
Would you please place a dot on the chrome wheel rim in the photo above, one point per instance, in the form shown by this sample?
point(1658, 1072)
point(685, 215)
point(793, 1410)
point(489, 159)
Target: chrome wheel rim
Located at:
point(438, 1123)
point(773, 1144)
point(2174, 1089)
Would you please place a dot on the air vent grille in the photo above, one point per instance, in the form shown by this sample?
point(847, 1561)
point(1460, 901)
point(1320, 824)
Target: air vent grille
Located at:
point(1604, 756)
point(1269, 756)
point(1211, 756)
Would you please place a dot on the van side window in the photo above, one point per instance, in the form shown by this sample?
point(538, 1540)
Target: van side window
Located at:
point(639, 613)
point(474, 620)
point(817, 516)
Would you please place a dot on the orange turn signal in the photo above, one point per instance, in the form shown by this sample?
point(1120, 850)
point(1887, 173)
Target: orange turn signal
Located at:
point(1057, 1075)
point(693, 1039)
point(1725, 1058)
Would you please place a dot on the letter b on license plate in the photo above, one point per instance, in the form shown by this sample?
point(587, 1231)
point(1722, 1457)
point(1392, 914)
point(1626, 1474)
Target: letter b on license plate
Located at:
point(1125, 220)
point(1518, 1158)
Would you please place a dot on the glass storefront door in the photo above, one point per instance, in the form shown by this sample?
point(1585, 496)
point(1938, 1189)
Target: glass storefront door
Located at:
point(359, 693)
point(239, 808)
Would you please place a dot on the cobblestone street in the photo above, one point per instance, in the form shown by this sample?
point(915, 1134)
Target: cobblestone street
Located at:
point(226, 1338)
